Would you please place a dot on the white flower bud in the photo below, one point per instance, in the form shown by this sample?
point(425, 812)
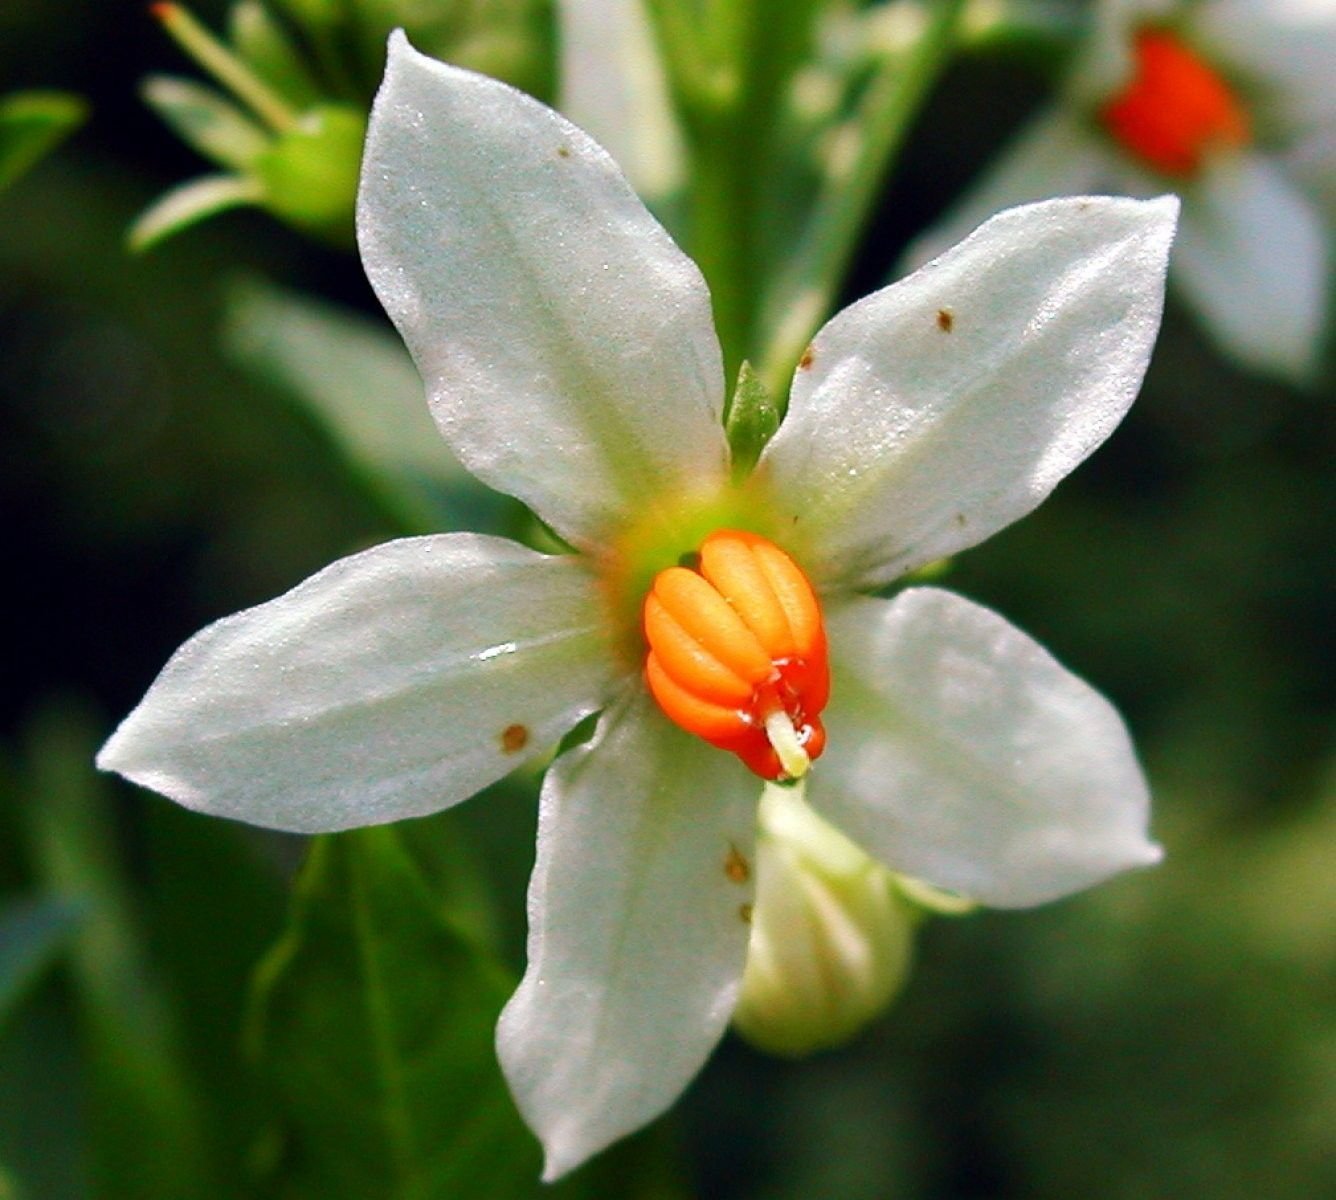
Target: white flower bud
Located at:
point(831, 934)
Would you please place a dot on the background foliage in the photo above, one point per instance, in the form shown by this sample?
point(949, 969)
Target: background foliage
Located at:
point(168, 457)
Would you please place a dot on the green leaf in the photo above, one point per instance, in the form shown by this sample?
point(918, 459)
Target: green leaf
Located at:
point(44, 1122)
point(354, 377)
point(32, 932)
point(753, 417)
point(141, 1092)
point(9, 1190)
point(373, 1021)
point(214, 893)
point(205, 120)
point(31, 124)
point(191, 203)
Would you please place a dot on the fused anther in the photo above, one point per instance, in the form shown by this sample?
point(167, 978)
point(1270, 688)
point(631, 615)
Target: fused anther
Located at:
point(1176, 108)
point(737, 653)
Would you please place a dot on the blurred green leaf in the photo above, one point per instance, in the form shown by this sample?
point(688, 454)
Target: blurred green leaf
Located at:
point(373, 1021)
point(44, 1134)
point(214, 893)
point(354, 377)
point(32, 932)
point(31, 124)
point(513, 40)
point(141, 1094)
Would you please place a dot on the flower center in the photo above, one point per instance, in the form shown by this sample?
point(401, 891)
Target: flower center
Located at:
point(737, 653)
point(1176, 108)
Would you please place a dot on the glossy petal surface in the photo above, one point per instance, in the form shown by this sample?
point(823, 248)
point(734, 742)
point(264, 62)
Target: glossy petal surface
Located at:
point(393, 683)
point(567, 344)
point(963, 754)
point(940, 409)
point(636, 932)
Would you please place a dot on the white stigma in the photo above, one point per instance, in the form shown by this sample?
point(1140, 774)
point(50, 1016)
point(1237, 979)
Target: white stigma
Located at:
point(784, 738)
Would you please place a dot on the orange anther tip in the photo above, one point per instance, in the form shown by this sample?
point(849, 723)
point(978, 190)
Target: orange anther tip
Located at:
point(735, 641)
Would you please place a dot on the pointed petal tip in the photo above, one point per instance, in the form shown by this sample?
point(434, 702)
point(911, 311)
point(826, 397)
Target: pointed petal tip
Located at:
point(555, 1165)
point(1145, 854)
point(115, 755)
point(1165, 210)
point(104, 759)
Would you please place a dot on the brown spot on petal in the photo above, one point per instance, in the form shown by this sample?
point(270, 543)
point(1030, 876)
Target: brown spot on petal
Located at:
point(806, 361)
point(735, 866)
point(745, 912)
point(946, 320)
point(514, 738)
point(563, 152)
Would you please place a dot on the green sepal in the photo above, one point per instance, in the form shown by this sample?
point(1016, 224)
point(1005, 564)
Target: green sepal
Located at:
point(263, 44)
point(372, 1019)
point(309, 173)
point(189, 204)
point(929, 899)
point(752, 420)
point(205, 120)
point(315, 14)
point(31, 124)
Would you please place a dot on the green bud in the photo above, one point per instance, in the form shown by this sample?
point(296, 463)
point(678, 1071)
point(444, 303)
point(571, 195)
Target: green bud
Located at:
point(309, 173)
point(831, 934)
point(753, 417)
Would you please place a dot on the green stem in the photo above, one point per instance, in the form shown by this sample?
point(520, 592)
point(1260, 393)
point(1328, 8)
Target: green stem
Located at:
point(804, 292)
point(721, 224)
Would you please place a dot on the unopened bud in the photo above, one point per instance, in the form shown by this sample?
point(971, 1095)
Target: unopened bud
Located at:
point(831, 933)
point(309, 174)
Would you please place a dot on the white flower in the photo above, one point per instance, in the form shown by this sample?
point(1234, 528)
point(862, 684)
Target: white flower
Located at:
point(1228, 102)
point(570, 360)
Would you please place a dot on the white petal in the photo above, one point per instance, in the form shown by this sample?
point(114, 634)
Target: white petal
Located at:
point(637, 931)
point(613, 85)
point(1252, 257)
point(567, 344)
point(1312, 161)
point(393, 683)
point(941, 408)
point(1057, 154)
point(961, 753)
point(1281, 51)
